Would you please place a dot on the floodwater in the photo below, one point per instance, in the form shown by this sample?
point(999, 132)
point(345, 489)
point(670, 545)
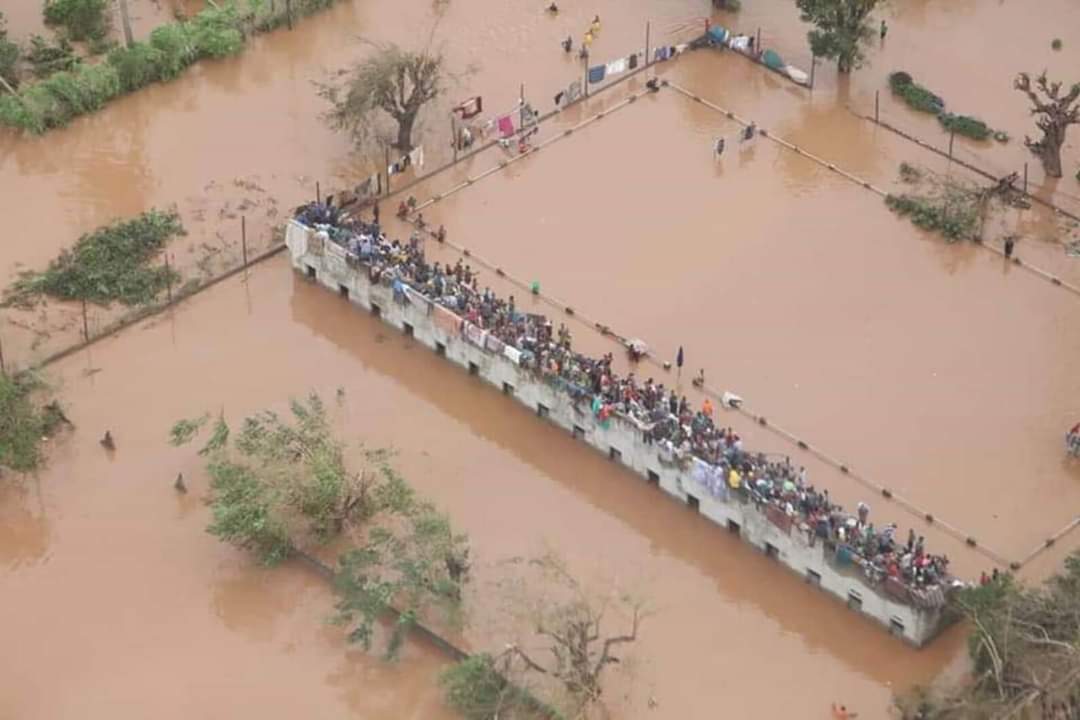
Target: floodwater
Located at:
point(935, 370)
point(153, 587)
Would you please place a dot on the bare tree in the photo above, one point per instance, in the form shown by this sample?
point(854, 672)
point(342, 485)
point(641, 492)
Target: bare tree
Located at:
point(393, 83)
point(1054, 114)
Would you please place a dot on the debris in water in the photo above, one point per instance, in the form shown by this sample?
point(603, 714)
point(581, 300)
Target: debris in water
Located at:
point(107, 441)
point(179, 485)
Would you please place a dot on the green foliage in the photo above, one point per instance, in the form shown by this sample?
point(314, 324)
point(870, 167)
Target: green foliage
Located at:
point(82, 19)
point(137, 65)
point(474, 688)
point(1056, 44)
point(184, 430)
point(841, 29)
point(46, 59)
point(110, 263)
point(954, 223)
point(24, 422)
point(965, 125)
point(916, 96)
point(9, 55)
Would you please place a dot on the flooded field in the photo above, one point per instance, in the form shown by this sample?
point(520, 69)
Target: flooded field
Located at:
point(937, 370)
point(114, 523)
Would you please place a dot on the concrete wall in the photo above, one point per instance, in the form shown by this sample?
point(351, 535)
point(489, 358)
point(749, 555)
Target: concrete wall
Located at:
point(622, 441)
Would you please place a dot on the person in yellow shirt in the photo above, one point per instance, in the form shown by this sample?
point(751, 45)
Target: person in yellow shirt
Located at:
point(595, 27)
point(706, 408)
point(734, 479)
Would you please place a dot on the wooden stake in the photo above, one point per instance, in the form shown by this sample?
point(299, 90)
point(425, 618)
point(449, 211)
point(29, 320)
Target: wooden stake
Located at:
point(288, 12)
point(647, 28)
point(243, 237)
point(168, 280)
point(3, 368)
point(453, 135)
point(85, 323)
point(877, 107)
point(952, 137)
point(1025, 178)
point(318, 192)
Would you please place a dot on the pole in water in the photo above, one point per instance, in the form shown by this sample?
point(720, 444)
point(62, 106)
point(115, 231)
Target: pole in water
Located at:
point(1025, 178)
point(243, 237)
point(877, 107)
point(757, 44)
point(586, 83)
point(387, 169)
point(453, 135)
point(168, 280)
point(648, 25)
point(318, 192)
point(288, 12)
point(3, 368)
point(952, 136)
point(85, 323)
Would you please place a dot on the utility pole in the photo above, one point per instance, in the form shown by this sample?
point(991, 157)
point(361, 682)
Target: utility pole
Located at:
point(125, 20)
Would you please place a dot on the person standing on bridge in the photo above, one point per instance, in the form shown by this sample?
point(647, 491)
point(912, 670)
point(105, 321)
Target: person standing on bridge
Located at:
point(679, 360)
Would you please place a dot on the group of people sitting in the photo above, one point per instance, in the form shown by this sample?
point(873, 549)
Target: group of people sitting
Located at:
point(663, 415)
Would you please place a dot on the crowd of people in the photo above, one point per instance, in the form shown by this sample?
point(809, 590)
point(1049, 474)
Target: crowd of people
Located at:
point(663, 415)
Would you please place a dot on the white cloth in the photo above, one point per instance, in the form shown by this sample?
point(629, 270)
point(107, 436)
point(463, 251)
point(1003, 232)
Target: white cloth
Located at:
point(416, 157)
point(512, 354)
point(616, 66)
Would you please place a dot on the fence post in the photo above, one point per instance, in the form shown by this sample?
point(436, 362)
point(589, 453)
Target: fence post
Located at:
point(813, 64)
point(3, 367)
point(318, 192)
point(757, 44)
point(243, 237)
point(647, 28)
point(453, 135)
point(85, 323)
point(387, 166)
point(168, 280)
point(521, 106)
point(288, 12)
point(586, 83)
point(1025, 178)
point(877, 107)
point(952, 136)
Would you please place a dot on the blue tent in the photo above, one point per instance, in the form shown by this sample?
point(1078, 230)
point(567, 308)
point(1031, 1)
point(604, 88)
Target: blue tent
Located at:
point(718, 35)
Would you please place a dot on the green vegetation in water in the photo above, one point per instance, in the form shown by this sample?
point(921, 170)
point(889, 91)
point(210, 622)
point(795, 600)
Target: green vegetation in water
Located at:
point(9, 55)
point(46, 58)
point(1056, 44)
point(81, 19)
point(281, 484)
point(919, 98)
point(212, 33)
point(938, 203)
point(965, 125)
point(1016, 633)
point(112, 263)
point(25, 423)
point(916, 96)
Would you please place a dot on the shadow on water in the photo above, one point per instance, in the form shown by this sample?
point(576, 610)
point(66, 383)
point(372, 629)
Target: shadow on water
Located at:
point(740, 574)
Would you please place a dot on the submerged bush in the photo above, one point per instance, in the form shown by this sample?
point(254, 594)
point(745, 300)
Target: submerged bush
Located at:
point(965, 125)
point(217, 31)
point(915, 95)
point(82, 19)
point(955, 222)
point(24, 423)
point(111, 263)
point(9, 55)
point(46, 59)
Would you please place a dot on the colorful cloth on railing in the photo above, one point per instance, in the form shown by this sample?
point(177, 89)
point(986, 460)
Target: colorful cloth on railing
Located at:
point(512, 354)
point(475, 334)
point(447, 321)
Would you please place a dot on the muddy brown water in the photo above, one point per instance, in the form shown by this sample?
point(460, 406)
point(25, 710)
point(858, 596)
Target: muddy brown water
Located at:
point(933, 368)
point(154, 587)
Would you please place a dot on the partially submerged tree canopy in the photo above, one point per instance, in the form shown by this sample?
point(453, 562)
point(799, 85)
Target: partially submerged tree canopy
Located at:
point(282, 486)
point(391, 83)
point(1025, 651)
point(1054, 112)
point(841, 29)
point(26, 420)
point(559, 669)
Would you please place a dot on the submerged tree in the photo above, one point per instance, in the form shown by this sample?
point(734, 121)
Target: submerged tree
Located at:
point(9, 59)
point(842, 28)
point(26, 420)
point(1025, 651)
point(1054, 113)
point(393, 83)
point(281, 486)
point(576, 637)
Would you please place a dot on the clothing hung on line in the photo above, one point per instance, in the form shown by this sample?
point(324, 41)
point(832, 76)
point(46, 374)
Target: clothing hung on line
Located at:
point(506, 126)
point(596, 73)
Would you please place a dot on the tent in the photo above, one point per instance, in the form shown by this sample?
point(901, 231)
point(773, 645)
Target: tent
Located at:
point(772, 59)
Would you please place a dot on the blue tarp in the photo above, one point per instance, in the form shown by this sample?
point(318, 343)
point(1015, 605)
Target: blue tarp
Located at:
point(718, 35)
